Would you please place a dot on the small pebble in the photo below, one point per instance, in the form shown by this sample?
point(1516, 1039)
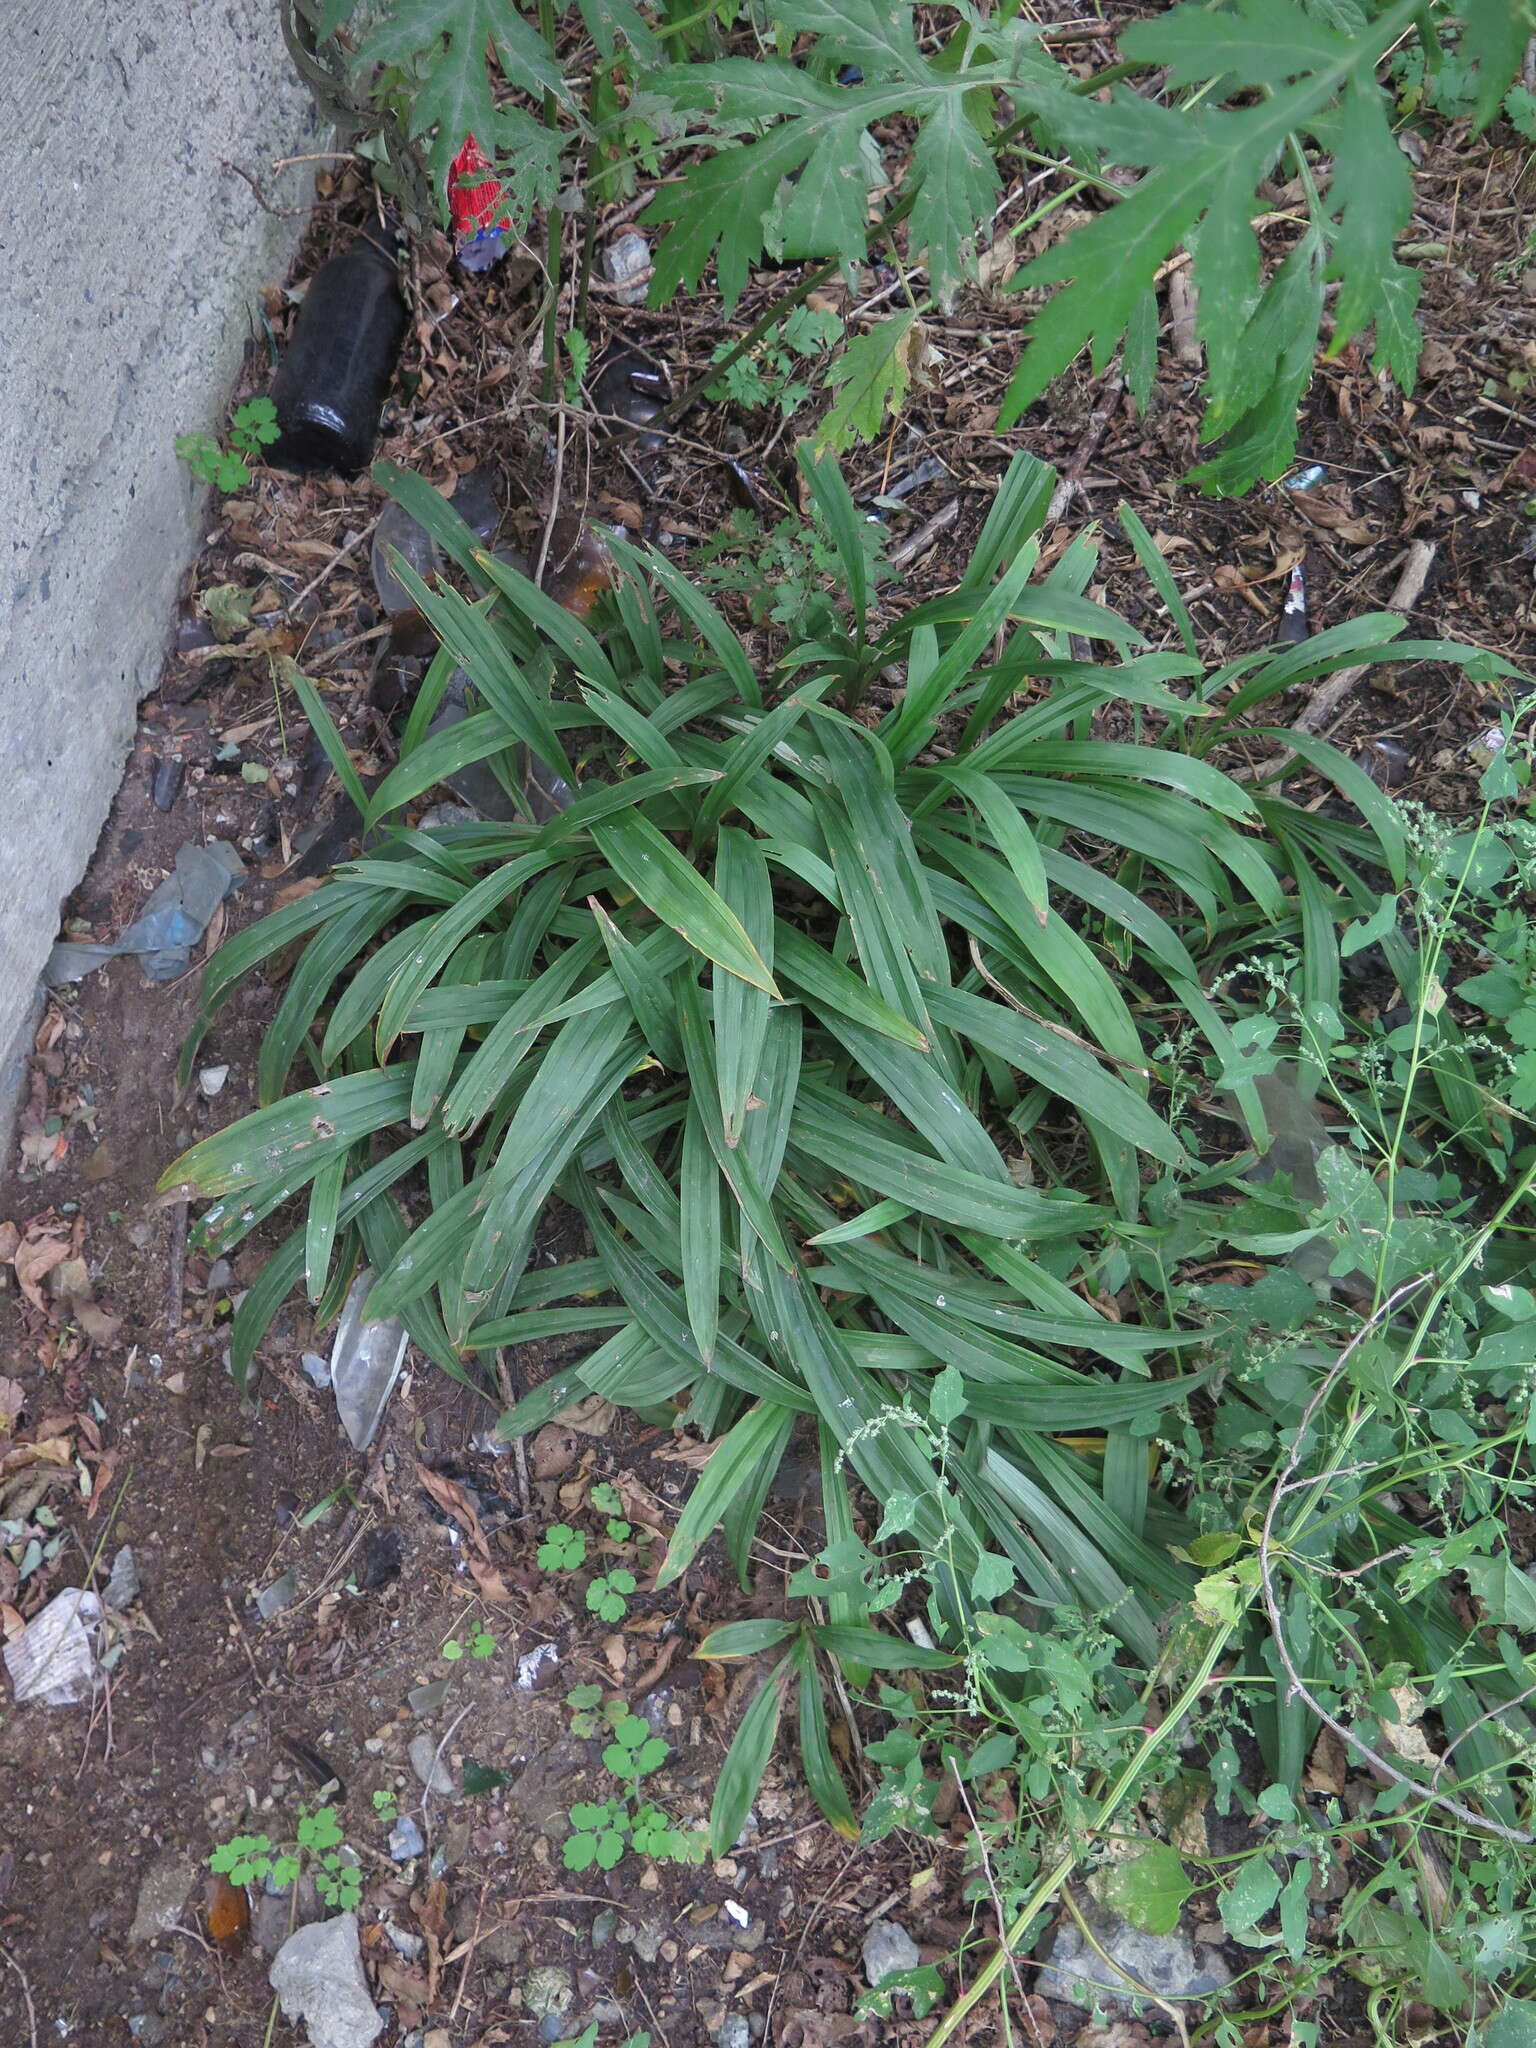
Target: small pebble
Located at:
point(406, 1840)
point(316, 1368)
point(211, 1079)
point(888, 1950)
point(428, 1765)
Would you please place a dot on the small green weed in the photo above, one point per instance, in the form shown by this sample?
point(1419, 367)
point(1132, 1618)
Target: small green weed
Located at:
point(563, 1549)
point(386, 1806)
point(606, 1829)
point(605, 1497)
point(782, 574)
point(480, 1644)
point(608, 1595)
point(771, 374)
point(253, 427)
point(319, 1847)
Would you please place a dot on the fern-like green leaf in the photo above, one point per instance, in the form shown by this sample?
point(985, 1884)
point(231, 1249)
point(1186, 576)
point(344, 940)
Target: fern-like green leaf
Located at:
point(446, 41)
point(873, 376)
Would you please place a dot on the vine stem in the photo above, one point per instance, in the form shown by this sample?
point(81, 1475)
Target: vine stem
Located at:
point(1051, 1883)
point(553, 227)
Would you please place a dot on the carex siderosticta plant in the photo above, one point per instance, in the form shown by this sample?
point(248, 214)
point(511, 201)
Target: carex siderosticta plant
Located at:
point(881, 1040)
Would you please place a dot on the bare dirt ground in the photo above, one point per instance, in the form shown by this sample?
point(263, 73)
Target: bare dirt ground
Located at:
point(119, 1424)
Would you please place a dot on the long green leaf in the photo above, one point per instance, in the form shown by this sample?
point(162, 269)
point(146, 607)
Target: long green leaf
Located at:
point(652, 866)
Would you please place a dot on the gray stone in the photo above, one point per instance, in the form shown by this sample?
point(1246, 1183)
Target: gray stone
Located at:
point(122, 1587)
point(644, 1937)
point(428, 1765)
point(318, 1977)
point(162, 1894)
point(1169, 1965)
point(271, 1922)
point(406, 1840)
point(603, 1926)
point(735, 2031)
point(888, 1950)
point(548, 1989)
point(125, 317)
point(552, 2028)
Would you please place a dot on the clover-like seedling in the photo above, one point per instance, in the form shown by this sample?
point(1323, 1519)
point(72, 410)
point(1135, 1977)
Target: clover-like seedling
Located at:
point(244, 1859)
point(608, 1595)
point(584, 1702)
point(653, 1834)
point(337, 1878)
point(386, 1806)
point(563, 1549)
point(634, 1750)
point(599, 1837)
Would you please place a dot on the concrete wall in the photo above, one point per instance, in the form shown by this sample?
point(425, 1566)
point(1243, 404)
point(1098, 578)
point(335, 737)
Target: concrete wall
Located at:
point(131, 257)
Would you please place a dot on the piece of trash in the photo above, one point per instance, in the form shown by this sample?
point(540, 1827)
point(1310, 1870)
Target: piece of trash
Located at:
point(477, 784)
point(317, 1370)
point(448, 814)
point(581, 568)
point(170, 774)
point(1293, 618)
point(340, 362)
point(475, 199)
point(280, 1594)
point(383, 1555)
point(365, 1364)
point(397, 533)
point(734, 1911)
point(406, 1840)
point(1306, 479)
point(318, 1977)
point(630, 388)
point(210, 1080)
point(53, 1660)
point(929, 471)
point(1488, 743)
point(171, 923)
point(122, 1587)
point(474, 499)
point(533, 1662)
point(627, 264)
point(1386, 763)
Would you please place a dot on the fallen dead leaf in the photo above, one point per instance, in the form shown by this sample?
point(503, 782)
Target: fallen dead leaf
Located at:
point(555, 1450)
point(1327, 1765)
point(33, 1260)
point(454, 1501)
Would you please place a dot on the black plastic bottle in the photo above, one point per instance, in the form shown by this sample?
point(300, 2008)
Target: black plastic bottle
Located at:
point(331, 384)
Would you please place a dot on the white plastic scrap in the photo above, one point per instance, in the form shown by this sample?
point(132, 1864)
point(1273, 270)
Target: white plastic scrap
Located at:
point(53, 1660)
point(365, 1364)
point(532, 1663)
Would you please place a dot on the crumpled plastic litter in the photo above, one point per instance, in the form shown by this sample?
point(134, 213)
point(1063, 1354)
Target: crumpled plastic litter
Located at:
point(53, 1660)
point(365, 1364)
point(171, 923)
